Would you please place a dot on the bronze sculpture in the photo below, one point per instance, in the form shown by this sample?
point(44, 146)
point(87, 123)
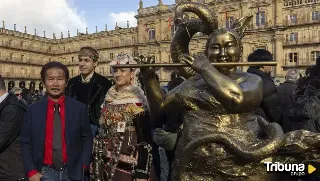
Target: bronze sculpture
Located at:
point(222, 139)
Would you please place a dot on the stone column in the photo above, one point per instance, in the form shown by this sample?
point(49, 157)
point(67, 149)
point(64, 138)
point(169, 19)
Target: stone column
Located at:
point(16, 83)
point(278, 56)
point(27, 84)
point(278, 12)
point(6, 82)
point(245, 52)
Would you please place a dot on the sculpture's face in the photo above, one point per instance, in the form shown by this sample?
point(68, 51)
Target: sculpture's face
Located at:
point(223, 47)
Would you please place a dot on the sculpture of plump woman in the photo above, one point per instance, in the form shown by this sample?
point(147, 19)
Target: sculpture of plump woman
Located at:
point(222, 140)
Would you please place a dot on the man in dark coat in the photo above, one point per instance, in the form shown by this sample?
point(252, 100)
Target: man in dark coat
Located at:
point(269, 87)
point(261, 55)
point(285, 95)
point(25, 92)
point(11, 117)
point(89, 87)
point(288, 87)
point(10, 85)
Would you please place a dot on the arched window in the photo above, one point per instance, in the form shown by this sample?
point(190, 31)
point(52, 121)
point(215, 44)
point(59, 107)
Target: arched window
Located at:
point(152, 34)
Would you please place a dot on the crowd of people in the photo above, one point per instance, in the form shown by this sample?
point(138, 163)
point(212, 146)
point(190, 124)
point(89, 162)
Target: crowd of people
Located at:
point(87, 127)
point(26, 95)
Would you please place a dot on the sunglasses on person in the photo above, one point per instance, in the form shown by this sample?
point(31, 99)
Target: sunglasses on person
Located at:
point(19, 94)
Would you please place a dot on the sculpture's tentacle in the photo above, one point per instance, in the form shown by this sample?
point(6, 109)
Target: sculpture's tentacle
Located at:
point(274, 134)
point(185, 30)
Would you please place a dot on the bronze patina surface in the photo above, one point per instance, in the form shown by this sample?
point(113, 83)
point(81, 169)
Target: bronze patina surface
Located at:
point(222, 140)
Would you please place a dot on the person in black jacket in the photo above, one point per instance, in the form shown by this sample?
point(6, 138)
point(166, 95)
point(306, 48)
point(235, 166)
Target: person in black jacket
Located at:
point(176, 79)
point(11, 117)
point(269, 87)
point(89, 87)
point(285, 93)
point(288, 87)
point(262, 55)
point(167, 127)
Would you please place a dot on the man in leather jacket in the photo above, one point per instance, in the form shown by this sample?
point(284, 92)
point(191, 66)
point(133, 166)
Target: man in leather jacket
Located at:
point(89, 87)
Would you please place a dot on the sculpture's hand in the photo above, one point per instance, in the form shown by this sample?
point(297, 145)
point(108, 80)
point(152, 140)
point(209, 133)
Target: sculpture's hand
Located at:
point(198, 63)
point(147, 72)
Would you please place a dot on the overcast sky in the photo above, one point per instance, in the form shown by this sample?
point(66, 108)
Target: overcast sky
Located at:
point(55, 16)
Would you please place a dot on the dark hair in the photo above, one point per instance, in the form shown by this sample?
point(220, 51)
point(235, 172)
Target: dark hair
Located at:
point(308, 70)
point(260, 55)
point(2, 83)
point(175, 75)
point(22, 84)
point(175, 83)
point(318, 61)
point(51, 65)
point(313, 71)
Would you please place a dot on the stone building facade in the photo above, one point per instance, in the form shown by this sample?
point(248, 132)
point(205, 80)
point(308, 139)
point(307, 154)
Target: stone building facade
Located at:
point(289, 29)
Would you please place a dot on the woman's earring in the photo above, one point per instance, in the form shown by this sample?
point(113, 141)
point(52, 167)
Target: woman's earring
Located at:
point(131, 81)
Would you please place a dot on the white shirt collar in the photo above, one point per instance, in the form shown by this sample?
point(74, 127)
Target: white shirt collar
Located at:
point(88, 78)
point(3, 97)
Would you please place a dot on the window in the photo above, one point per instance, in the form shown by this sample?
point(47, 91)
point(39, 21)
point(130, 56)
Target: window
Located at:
point(261, 47)
point(314, 33)
point(293, 37)
point(292, 19)
point(133, 40)
point(315, 55)
point(310, 1)
point(293, 57)
point(23, 71)
point(111, 43)
point(152, 34)
point(229, 21)
point(72, 59)
point(315, 15)
point(11, 55)
point(22, 57)
point(261, 18)
point(111, 55)
point(21, 44)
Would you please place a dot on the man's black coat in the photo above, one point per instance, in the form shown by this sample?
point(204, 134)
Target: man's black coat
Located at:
point(97, 92)
point(11, 118)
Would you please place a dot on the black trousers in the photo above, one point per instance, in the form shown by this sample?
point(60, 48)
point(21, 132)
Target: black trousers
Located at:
point(156, 160)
